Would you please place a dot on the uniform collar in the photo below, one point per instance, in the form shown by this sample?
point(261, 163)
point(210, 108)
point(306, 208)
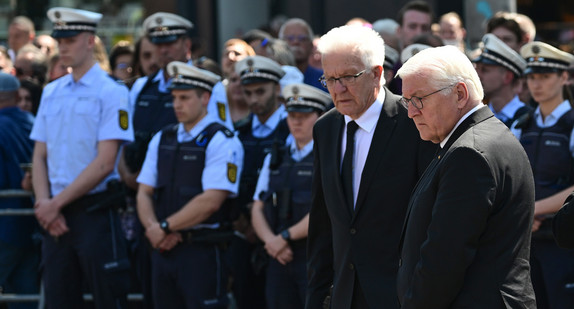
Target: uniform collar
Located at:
point(273, 121)
point(552, 119)
point(509, 109)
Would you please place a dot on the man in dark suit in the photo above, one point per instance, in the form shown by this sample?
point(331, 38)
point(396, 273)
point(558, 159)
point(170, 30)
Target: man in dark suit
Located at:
point(466, 238)
point(563, 224)
point(357, 213)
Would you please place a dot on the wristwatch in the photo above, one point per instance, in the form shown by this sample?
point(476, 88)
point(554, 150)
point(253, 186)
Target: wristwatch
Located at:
point(285, 235)
point(164, 225)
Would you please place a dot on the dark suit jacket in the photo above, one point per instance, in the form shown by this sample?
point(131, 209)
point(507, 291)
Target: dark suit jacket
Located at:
point(563, 224)
point(343, 244)
point(466, 238)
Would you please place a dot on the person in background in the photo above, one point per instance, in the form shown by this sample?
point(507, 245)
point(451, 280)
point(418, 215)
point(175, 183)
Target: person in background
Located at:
point(101, 55)
point(258, 39)
point(19, 254)
point(121, 58)
point(56, 68)
point(47, 44)
point(414, 18)
point(280, 212)
point(266, 129)
point(452, 31)
point(387, 29)
point(31, 63)
point(21, 32)
point(299, 35)
point(82, 121)
point(507, 29)
point(234, 50)
point(500, 70)
point(6, 64)
point(546, 135)
point(144, 60)
point(29, 95)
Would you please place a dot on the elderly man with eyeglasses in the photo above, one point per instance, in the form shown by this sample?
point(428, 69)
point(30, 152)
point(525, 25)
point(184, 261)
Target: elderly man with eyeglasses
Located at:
point(466, 238)
point(368, 157)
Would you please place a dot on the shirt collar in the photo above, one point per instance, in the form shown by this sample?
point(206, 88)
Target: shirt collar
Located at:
point(368, 120)
point(186, 136)
point(470, 112)
point(300, 154)
point(508, 111)
point(87, 79)
point(273, 121)
point(552, 119)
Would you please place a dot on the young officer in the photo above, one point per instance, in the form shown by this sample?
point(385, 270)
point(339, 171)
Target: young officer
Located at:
point(82, 120)
point(190, 171)
point(546, 135)
point(280, 213)
point(500, 69)
point(265, 129)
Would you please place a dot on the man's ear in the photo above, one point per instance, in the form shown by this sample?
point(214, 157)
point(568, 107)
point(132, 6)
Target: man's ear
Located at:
point(462, 94)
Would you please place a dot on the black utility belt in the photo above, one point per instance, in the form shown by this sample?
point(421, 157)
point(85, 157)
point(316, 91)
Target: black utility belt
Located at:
point(84, 203)
point(111, 198)
point(206, 236)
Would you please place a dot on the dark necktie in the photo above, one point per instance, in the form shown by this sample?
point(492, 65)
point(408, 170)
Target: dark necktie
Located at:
point(347, 170)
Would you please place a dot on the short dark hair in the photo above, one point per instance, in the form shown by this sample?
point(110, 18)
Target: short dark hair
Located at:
point(417, 5)
point(507, 21)
point(121, 48)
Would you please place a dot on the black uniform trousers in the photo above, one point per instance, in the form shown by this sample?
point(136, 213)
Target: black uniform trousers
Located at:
point(92, 253)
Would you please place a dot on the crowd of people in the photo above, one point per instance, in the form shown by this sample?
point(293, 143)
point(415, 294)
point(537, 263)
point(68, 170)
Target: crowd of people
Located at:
point(380, 165)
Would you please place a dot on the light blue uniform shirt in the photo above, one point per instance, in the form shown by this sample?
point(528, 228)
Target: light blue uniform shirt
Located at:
point(550, 121)
point(296, 154)
point(508, 111)
point(220, 152)
point(73, 117)
point(217, 105)
point(261, 130)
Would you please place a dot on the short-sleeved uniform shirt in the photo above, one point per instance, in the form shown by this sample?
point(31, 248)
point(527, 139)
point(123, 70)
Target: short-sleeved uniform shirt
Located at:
point(220, 152)
point(73, 117)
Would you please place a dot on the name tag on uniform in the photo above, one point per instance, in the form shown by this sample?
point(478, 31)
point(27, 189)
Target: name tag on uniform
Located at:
point(168, 105)
point(552, 143)
point(266, 150)
point(143, 103)
point(189, 157)
point(274, 172)
point(304, 173)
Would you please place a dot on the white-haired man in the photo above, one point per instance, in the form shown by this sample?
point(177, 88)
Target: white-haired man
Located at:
point(357, 213)
point(466, 238)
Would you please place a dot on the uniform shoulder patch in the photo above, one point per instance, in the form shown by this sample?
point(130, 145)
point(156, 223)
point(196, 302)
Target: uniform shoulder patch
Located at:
point(124, 119)
point(232, 172)
point(221, 111)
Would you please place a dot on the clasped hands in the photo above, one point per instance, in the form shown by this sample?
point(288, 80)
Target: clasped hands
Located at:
point(159, 239)
point(278, 248)
point(48, 214)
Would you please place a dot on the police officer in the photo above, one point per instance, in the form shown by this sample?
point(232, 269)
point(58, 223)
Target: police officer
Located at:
point(265, 129)
point(280, 212)
point(150, 97)
point(500, 69)
point(82, 120)
point(546, 135)
point(191, 170)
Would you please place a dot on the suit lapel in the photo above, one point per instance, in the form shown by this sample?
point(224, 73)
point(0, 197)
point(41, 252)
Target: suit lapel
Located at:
point(378, 149)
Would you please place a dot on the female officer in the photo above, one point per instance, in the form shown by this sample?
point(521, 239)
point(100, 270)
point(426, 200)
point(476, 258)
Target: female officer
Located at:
point(547, 138)
point(280, 213)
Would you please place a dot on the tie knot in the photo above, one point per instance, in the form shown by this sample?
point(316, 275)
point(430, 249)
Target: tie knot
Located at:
point(352, 127)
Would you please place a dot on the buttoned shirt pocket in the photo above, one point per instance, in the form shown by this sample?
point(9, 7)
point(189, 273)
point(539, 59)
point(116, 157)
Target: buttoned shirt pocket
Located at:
point(87, 113)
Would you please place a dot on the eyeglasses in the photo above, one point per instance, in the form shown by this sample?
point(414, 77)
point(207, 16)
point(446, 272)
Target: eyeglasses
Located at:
point(344, 80)
point(296, 38)
point(417, 102)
